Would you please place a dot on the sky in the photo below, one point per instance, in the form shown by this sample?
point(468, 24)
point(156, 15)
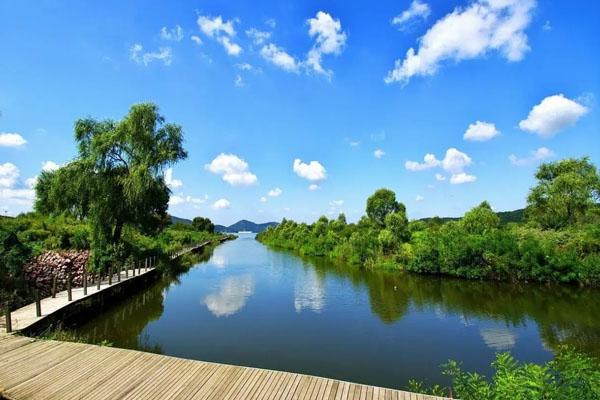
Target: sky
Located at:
point(299, 109)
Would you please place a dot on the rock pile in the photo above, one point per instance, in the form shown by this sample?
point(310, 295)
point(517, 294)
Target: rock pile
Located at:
point(40, 272)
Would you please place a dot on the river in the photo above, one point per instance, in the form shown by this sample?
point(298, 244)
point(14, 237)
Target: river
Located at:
point(247, 304)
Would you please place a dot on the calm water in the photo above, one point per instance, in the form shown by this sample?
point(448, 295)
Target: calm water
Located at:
point(250, 305)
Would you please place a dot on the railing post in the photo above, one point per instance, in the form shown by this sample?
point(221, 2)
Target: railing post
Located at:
point(38, 303)
point(119, 275)
point(8, 317)
point(126, 271)
point(99, 276)
point(140, 268)
point(69, 293)
point(85, 281)
point(133, 270)
point(54, 285)
point(110, 275)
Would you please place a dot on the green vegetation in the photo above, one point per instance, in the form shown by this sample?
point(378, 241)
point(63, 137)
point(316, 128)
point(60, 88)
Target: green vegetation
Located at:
point(569, 376)
point(558, 242)
point(111, 199)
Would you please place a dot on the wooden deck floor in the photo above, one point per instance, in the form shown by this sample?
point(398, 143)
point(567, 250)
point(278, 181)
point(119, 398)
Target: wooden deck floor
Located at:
point(46, 369)
point(25, 316)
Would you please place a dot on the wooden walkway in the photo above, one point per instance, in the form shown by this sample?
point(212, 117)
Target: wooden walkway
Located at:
point(47, 369)
point(26, 316)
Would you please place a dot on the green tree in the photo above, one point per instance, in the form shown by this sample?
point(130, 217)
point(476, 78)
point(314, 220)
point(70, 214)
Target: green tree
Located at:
point(381, 203)
point(203, 224)
point(117, 177)
point(480, 219)
point(565, 193)
point(397, 224)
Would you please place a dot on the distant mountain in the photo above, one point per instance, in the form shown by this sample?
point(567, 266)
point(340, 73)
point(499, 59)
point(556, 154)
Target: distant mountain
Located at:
point(505, 217)
point(244, 225)
point(175, 220)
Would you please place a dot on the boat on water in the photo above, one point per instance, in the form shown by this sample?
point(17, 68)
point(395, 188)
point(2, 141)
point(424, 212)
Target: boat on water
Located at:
point(245, 232)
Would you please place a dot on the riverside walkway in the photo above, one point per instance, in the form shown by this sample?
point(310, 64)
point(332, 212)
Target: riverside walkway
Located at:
point(48, 369)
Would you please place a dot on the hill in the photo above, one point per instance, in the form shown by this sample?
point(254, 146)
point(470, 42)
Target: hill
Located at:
point(244, 225)
point(175, 220)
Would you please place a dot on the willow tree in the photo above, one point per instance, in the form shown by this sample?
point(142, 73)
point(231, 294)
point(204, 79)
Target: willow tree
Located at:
point(117, 177)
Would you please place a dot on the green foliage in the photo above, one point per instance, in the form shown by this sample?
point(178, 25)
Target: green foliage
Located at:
point(116, 180)
point(203, 224)
point(569, 376)
point(567, 192)
point(381, 203)
point(476, 246)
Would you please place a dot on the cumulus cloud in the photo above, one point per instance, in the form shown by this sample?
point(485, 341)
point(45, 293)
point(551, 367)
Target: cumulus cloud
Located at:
point(8, 139)
point(416, 10)
point(232, 169)
point(137, 54)
point(263, 199)
point(175, 200)
point(175, 34)
point(276, 192)
point(462, 177)
point(553, 114)
point(481, 131)
point(329, 39)
point(419, 198)
point(313, 186)
point(454, 162)
point(170, 181)
point(239, 81)
point(429, 162)
point(280, 57)
point(378, 153)
point(49, 166)
point(313, 171)
point(9, 173)
point(467, 33)
point(535, 156)
point(220, 30)
point(336, 203)
point(221, 204)
point(258, 37)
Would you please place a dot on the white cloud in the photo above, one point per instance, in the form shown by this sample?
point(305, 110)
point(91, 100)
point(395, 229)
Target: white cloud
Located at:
point(313, 187)
point(137, 54)
point(232, 169)
point(175, 200)
point(257, 36)
point(329, 39)
point(49, 166)
point(547, 26)
point(354, 143)
point(196, 39)
point(440, 177)
point(429, 162)
point(462, 177)
point(468, 33)
point(23, 197)
point(276, 192)
point(245, 66)
point(221, 204)
point(170, 182)
point(537, 155)
point(220, 30)
point(231, 296)
point(31, 182)
point(271, 23)
point(378, 153)
point(263, 199)
point(196, 200)
point(553, 114)
point(8, 139)
point(455, 161)
point(481, 131)
point(416, 10)
point(336, 203)
point(238, 81)
point(280, 58)
point(9, 173)
point(419, 198)
point(312, 171)
point(175, 34)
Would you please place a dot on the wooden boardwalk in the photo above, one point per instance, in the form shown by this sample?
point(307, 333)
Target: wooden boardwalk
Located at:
point(24, 317)
point(47, 369)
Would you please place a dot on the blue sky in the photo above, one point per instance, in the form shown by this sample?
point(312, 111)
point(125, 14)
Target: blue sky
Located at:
point(270, 82)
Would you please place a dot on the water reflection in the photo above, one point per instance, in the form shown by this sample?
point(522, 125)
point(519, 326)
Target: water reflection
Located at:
point(231, 296)
point(309, 291)
point(498, 339)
